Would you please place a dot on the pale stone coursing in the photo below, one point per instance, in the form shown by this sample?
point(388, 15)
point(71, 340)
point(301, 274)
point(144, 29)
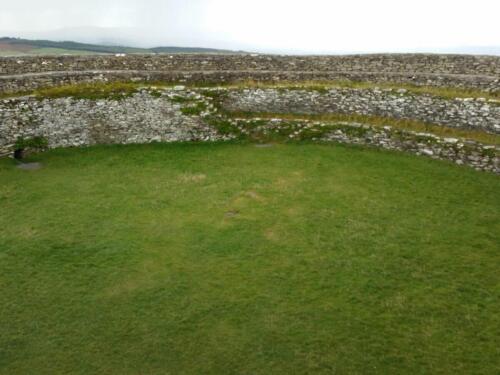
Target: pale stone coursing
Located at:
point(478, 114)
point(462, 152)
point(32, 81)
point(68, 122)
point(459, 71)
point(381, 63)
point(156, 116)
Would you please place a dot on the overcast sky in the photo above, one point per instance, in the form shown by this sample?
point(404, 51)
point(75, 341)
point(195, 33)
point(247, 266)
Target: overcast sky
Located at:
point(312, 26)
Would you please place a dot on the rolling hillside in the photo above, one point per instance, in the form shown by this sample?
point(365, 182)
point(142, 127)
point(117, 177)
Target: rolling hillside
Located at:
point(22, 47)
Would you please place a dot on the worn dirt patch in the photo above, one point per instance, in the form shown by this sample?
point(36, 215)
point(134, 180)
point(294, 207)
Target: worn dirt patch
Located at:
point(192, 177)
point(253, 195)
point(142, 278)
point(272, 234)
point(30, 166)
point(231, 214)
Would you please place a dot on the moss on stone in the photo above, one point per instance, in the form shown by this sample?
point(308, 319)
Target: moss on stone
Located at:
point(194, 110)
point(92, 91)
point(378, 121)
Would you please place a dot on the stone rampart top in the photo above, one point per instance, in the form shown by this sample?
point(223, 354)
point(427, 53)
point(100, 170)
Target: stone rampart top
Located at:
point(376, 63)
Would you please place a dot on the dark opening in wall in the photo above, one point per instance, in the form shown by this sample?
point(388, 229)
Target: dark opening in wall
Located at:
point(19, 153)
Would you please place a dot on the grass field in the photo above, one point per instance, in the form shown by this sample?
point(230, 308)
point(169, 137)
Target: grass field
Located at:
point(234, 259)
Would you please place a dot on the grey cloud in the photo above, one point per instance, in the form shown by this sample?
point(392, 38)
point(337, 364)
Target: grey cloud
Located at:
point(317, 26)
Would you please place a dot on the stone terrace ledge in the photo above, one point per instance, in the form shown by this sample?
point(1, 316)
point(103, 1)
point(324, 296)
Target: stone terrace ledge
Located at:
point(467, 71)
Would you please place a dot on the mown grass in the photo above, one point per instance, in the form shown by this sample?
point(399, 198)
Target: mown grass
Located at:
point(403, 124)
point(232, 259)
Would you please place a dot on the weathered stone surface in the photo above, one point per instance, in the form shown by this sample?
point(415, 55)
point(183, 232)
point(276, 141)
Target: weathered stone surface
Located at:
point(29, 73)
point(161, 116)
point(473, 154)
point(66, 122)
point(380, 63)
point(460, 113)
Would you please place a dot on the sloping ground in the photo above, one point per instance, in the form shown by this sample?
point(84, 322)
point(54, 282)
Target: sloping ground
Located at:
point(26, 47)
point(6, 46)
point(228, 258)
point(42, 52)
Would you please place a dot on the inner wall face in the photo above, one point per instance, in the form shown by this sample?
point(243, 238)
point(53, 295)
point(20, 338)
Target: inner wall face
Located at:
point(182, 114)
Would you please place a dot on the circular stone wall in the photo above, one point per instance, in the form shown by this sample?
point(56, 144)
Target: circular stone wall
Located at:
point(444, 107)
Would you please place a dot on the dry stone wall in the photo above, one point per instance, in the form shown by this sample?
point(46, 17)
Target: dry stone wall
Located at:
point(29, 73)
point(28, 82)
point(380, 63)
point(461, 152)
point(174, 115)
point(66, 122)
point(478, 114)
point(169, 115)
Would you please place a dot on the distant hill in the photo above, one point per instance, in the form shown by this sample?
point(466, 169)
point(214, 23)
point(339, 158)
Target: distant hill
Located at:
point(22, 47)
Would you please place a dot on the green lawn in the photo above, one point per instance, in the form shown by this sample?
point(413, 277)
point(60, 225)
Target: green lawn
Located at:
point(233, 259)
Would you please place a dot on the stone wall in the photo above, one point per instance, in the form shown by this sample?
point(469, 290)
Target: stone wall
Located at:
point(475, 72)
point(11, 84)
point(461, 113)
point(382, 63)
point(168, 115)
point(461, 152)
point(67, 122)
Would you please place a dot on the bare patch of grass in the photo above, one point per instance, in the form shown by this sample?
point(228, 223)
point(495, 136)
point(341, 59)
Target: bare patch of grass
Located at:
point(186, 178)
